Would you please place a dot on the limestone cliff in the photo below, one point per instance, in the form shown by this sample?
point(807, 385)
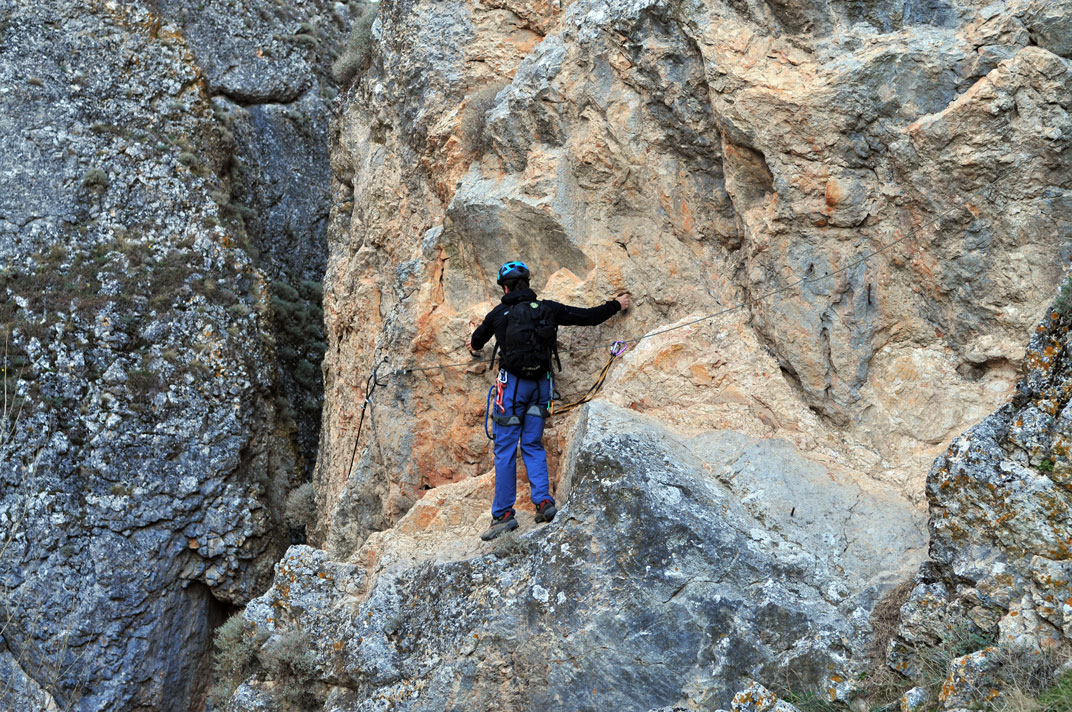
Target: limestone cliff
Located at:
point(868, 201)
point(146, 440)
point(701, 155)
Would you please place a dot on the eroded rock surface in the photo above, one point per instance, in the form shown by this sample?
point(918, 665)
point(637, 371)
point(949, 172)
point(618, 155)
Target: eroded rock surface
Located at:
point(144, 458)
point(873, 200)
point(676, 569)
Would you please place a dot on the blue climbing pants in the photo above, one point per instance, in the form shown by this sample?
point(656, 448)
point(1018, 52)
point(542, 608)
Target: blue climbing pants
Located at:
point(519, 410)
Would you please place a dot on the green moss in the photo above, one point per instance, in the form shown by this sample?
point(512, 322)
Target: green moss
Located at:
point(1046, 466)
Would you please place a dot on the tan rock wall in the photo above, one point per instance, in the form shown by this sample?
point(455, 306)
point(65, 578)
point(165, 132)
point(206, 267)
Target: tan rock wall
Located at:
point(701, 156)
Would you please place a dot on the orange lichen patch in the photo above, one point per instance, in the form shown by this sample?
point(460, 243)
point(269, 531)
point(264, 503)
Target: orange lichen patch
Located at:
point(337, 645)
point(835, 193)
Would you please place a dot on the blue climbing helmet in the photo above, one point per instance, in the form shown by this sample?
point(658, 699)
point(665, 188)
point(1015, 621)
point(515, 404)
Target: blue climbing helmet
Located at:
point(513, 269)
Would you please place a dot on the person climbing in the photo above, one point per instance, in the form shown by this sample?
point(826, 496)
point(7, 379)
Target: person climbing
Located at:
point(525, 329)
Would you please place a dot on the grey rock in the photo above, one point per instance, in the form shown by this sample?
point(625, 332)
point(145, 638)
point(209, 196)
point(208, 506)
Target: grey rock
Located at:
point(915, 699)
point(268, 70)
point(655, 574)
point(19, 691)
point(998, 500)
point(143, 475)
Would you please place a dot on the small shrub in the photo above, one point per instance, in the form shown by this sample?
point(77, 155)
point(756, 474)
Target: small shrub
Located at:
point(95, 178)
point(142, 381)
point(357, 52)
point(300, 508)
point(188, 159)
point(285, 291)
point(311, 291)
point(237, 643)
point(291, 664)
point(1063, 304)
point(303, 39)
point(307, 374)
point(1046, 466)
point(473, 121)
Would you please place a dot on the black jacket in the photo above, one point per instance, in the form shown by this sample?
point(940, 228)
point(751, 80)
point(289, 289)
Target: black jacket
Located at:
point(495, 322)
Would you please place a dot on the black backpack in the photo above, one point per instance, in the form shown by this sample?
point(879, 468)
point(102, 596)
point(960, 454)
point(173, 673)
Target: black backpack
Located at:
point(529, 341)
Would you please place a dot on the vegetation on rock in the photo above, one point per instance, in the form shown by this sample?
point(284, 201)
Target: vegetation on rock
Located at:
point(357, 50)
point(235, 659)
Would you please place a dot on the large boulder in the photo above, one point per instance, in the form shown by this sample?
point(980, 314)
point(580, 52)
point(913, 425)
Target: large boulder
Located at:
point(677, 568)
point(1000, 566)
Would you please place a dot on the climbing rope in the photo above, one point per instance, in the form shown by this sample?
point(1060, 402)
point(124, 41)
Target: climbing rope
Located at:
point(370, 387)
point(616, 350)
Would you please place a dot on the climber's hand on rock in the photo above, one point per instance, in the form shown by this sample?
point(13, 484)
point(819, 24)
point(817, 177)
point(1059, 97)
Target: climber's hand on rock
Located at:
point(625, 299)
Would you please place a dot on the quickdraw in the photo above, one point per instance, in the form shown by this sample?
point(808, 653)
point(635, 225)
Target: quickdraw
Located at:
point(497, 389)
point(616, 350)
point(500, 388)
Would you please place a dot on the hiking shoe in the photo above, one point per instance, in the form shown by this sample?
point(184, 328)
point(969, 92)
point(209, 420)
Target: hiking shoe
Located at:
point(545, 511)
point(505, 523)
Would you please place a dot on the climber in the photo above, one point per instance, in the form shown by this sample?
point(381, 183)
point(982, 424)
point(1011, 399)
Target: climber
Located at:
point(525, 330)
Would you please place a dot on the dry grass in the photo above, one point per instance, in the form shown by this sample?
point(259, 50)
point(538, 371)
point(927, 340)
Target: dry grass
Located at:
point(886, 618)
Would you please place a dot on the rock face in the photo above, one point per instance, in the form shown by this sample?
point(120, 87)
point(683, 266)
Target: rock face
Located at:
point(702, 155)
point(1000, 565)
point(676, 568)
point(144, 452)
point(265, 66)
point(837, 222)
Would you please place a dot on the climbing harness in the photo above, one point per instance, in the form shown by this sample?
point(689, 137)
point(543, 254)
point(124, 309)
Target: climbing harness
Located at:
point(496, 390)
